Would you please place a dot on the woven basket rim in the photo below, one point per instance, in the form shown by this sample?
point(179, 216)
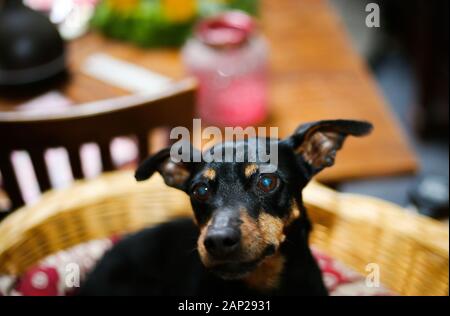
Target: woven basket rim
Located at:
point(327, 207)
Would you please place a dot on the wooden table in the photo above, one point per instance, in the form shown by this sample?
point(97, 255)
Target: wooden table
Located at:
point(315, 74)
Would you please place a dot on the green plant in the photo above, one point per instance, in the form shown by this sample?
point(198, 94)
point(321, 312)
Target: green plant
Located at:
point(146, 24)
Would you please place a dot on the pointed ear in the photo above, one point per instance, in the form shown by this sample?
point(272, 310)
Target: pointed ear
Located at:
point(169, 163)
point(318, 142)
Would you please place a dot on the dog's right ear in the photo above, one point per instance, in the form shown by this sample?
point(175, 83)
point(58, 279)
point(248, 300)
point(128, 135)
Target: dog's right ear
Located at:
point(317, 142)
point(174, 172)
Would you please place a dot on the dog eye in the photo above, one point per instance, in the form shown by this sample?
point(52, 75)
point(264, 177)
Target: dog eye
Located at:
point(267, 182)
point(201, 192)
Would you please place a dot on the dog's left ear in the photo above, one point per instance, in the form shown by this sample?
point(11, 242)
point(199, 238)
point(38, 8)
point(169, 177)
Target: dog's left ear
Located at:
point(318, 142)
point(174, 173)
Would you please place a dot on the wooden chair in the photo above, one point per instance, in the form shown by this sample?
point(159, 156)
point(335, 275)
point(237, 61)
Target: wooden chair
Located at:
point(97, 122)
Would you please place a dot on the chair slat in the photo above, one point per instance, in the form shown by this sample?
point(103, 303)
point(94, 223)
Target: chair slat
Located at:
point(40, 168)
point(75, 162)
point(105, 152)
point(9, 181)
point(143, 145)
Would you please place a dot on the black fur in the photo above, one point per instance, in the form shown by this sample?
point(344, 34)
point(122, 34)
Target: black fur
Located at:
point(157, 261)
point(164, 260)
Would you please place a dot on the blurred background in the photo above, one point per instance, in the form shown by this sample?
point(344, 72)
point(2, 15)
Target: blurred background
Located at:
point(409, 59)
point(54, 64)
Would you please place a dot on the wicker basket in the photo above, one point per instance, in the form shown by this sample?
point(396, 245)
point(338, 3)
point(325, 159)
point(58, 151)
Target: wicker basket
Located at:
point(411, 251)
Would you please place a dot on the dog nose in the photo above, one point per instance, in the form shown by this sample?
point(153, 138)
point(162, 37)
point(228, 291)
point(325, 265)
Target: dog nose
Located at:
point(222, 242)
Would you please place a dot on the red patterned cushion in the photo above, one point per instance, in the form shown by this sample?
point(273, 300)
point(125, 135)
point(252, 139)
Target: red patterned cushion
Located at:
point(60, 274)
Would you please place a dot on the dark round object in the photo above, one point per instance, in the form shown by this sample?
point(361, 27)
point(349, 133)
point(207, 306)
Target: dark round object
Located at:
point(31, 49)
point(430, 195)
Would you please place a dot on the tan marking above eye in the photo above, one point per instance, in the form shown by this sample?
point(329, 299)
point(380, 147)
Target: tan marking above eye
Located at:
point(209, 174)
point(250, 170)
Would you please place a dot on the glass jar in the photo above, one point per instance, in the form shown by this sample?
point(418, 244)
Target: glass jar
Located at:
point(229, 59)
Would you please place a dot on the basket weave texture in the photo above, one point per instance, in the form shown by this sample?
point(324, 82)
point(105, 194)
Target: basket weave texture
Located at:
point(410, 251)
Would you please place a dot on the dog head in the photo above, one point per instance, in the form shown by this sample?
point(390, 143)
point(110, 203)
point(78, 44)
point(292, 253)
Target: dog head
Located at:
point(243, 210)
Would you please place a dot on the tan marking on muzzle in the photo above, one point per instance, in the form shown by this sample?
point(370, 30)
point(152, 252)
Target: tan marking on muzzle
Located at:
point(293, 214)
point(256, 236)
point(259, 234)
point(267, 275)
point(271, 228)
point(204, 257)
point(250, 169)
point(252, 241)
point(209, 174)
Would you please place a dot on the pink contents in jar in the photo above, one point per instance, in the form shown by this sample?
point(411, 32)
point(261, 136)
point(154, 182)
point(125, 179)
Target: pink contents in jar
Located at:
point(229, 59)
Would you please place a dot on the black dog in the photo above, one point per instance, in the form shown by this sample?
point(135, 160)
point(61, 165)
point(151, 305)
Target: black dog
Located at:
point(251, 229)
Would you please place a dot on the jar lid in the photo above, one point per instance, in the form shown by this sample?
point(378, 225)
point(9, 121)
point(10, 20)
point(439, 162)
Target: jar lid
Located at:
point(228, 29)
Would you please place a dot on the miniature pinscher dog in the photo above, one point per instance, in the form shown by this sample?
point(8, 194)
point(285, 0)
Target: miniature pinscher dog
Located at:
point(250, 230)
